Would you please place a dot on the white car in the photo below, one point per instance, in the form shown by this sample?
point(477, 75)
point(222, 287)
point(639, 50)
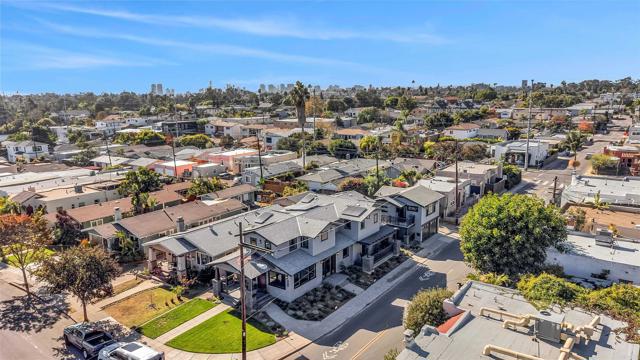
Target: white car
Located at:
point(129, 351)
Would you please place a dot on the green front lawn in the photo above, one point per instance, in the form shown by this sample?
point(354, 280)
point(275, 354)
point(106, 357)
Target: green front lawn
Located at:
point(139, 308)
point(175, 317)
point(11, 259)
point(222, 335)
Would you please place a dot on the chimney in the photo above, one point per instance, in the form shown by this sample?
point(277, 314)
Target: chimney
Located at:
point(180, 224)
point(117, 214)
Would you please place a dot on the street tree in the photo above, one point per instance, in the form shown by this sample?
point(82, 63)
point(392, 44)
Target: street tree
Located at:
point(85, 272)
point(138, 182)
point(369, 144)
point(426, 308)
point(66, 231)
point(574, 141)
point(298, 97)
point(24, 240)
point(510, 234)
point(201, 186)
point(342, 148)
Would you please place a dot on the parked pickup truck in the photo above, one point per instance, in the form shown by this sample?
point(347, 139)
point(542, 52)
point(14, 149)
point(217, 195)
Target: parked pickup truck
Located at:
point(87, 339)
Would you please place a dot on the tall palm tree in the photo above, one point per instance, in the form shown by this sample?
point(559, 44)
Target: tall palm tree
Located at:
point(299, 95)
point(574, 141)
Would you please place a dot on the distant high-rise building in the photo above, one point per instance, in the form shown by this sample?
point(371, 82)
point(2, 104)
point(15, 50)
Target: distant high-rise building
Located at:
point(156, 89)
point(282, 88)
point(272, 88)
point(263, 88)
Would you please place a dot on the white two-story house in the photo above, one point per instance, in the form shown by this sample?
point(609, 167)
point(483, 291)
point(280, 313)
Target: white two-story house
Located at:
point(292, 249)
point(26, 150)
point(414, 211)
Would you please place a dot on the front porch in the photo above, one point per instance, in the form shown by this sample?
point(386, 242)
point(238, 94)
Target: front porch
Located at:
point(378, 248)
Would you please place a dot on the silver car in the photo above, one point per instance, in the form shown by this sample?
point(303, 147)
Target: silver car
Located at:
point(129, 351)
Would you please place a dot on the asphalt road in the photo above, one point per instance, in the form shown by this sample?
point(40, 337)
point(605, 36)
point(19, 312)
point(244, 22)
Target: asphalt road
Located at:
point(378, 329)
point(30, 329)
point(540, 182)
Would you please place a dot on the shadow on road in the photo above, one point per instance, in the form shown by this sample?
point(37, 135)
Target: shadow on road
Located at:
point(24, 314)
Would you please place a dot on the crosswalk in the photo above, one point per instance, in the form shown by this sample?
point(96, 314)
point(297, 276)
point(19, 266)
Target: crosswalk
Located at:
point(547, 183)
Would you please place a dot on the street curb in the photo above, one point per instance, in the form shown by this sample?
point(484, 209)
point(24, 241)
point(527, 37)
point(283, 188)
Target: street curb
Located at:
point(42, 300)
point(402, 276)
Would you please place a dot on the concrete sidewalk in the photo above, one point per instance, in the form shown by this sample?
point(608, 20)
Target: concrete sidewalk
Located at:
point(145, 285)
point(192, 323)
point(313, 330)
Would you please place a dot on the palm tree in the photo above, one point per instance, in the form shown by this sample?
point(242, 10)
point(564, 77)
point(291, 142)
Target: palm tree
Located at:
point(574, 141)
point(299, 96)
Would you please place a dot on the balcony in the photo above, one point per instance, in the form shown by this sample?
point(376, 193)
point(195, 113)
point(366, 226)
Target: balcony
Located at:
point(399, 221)
point(382, 254)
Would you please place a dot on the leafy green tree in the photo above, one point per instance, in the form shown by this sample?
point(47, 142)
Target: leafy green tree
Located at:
point(473, 151)
point(295, 188)
point(601, 162)
point(391, 102)
point(438, 121)
point(410, 177)
point(426, 308)
point(369, 115)
point(8, 206)
point(288, 143)
point(136, 183)
point(375, 180)
point(546, 289)
point(353, 184)
point(342, 148)
point(336, 105)
point(369, 144)
point(510, 234)
point(201, 186)
point(490, 278)
point(66, 230)
point(429, 151)
point(24, 238)
point(487, 94)
point(201, 141)
point(85, 272)
point(407, 103)
point(513, 175)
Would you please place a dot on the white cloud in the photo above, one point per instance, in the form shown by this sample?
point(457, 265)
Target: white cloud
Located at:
point(35, 57)
point(280, 27)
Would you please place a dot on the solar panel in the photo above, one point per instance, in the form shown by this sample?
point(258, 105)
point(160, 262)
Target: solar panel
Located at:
point(308, 198)
point(355, 211)
point(263, 217)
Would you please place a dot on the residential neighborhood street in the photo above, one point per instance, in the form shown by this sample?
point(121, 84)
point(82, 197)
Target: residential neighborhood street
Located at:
point(378, 329)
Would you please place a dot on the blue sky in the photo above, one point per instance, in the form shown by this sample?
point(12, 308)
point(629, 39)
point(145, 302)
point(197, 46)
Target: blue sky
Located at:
point(111, 46)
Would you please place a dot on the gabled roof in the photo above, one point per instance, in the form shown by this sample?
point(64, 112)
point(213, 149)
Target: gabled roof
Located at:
point(418, 194)
point(464, 126)
point(23, 196)
point(230, 192)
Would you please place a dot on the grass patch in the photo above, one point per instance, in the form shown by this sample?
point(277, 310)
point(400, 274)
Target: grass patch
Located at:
point(143, 306)
point(11, 259)
point(127, 285)
point(175, 317)
point(222, 335)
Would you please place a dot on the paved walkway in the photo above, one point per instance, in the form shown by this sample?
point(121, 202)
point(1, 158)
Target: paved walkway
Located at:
point(145, 285)
point(314, 329)
point(192, 323)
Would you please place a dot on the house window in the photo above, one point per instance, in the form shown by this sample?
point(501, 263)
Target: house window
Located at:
point(253, 241)
point(293, 244)
point(345, 253)
point(324, 235)
point(362, 225)
point(412, 208)
point(304, 243)
point(267, 244)
point(277, 279)
point(348, 225)
point(304, 276)
point(375, 218)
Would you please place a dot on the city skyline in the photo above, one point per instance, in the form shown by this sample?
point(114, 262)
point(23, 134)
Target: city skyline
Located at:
point(118, 46)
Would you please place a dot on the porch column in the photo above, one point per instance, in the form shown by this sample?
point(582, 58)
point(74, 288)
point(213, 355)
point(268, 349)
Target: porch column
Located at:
point(181, 267)
point(151, 259)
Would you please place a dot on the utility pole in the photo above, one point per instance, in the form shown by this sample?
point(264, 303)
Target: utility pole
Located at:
point(377, 158)
point(259, 156)
point(106, 142)
point(457, 188)
point(526, 155)
point(555, 186)
point(314, 114)
point(243, 307)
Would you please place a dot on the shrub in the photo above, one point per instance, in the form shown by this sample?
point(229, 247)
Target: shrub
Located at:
point(491, 278)
point(426, 309)
point(392, 354)
point(546, 289)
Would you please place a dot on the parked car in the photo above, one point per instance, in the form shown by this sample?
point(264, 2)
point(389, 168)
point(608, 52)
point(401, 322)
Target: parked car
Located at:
point(129, 351)
point(87, 339)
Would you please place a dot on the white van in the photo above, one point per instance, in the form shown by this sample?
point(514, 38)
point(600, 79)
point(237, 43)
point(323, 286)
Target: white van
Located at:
point(129, 351)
